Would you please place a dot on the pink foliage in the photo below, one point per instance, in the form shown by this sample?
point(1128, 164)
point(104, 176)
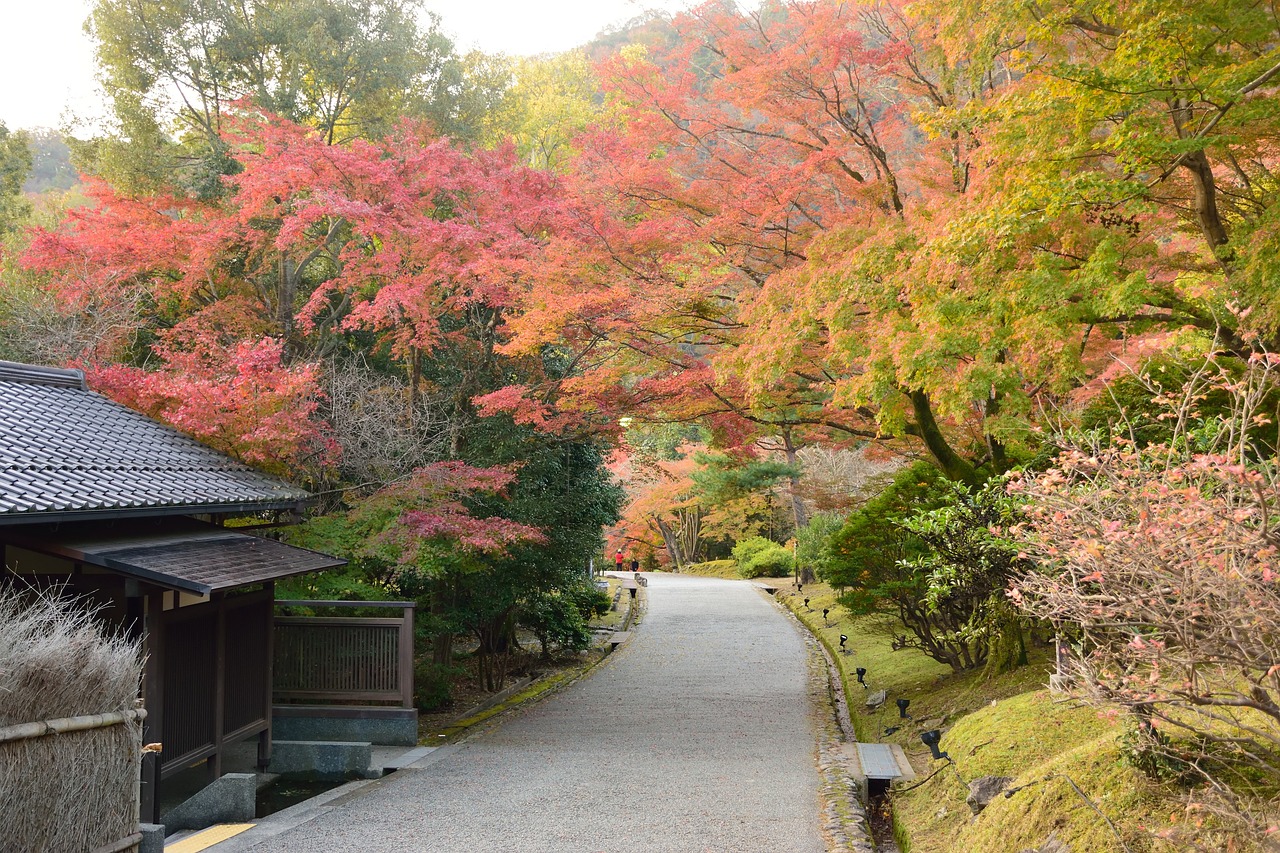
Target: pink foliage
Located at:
point(238, 398)
point(1164, 560)
point(430, 509)
point(411, 228)
point(389, 237)
point(526, 410)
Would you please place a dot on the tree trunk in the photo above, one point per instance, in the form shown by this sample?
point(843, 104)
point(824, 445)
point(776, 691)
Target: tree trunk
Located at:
point(441, 643)
point(494, 654)
point(927, 429)
point(669, 539)
point(995, 447)
point(415, 380)
point(1205, 202)
point(798, 514)
point(690, 538)
point(284, 307)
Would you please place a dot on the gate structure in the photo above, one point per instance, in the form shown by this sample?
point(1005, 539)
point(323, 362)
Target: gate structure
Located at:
point(216, 681)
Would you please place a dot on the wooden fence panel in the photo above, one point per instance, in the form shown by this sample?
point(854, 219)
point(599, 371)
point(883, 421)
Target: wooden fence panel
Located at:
point(344, 659)
point(247, 702)
point(190, 685)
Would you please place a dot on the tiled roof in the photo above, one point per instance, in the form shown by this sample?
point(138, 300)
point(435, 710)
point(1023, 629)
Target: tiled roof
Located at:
point(66, 452)
point(176, 553)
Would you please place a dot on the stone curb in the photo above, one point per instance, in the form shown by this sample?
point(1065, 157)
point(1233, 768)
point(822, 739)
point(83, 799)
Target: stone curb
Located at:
point(845, 826)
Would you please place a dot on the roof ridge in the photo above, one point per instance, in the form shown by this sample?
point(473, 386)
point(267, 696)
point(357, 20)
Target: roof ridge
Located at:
point(34, 374)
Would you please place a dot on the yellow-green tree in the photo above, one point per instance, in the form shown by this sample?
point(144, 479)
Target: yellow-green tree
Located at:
point(15, 164)
point(552, 99)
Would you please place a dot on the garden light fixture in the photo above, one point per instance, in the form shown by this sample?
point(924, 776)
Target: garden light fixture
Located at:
point(931, 739)
point(862, 675)
point(902, 709)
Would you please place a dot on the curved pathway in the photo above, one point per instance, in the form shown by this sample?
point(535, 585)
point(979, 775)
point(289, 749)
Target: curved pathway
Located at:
point(695, 736)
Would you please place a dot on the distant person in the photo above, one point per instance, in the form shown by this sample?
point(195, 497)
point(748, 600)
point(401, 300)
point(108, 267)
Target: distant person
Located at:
point(617, 560)
point(635, 564)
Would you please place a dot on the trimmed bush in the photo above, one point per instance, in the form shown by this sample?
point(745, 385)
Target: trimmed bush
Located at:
point(758, 557)
point(560, 617)
point(727, 569)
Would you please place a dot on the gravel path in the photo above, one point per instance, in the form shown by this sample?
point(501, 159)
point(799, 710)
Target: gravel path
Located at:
point(695, 736)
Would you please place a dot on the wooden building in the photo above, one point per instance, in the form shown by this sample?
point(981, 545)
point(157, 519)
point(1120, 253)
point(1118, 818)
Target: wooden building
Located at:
point(107, 504)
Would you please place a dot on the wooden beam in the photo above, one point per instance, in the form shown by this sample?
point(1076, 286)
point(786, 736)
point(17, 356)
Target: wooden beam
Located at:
point(153, 700)
point(264, 740)
point(406, 658)
point(220, 684)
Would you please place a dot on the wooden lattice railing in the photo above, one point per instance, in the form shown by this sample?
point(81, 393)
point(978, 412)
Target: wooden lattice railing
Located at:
point(337, 659)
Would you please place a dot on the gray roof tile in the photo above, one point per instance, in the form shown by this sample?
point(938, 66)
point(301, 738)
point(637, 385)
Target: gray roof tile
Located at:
point(178, 553)
point(65, 449)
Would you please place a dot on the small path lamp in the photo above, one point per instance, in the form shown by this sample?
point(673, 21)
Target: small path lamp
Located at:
point(931, 739)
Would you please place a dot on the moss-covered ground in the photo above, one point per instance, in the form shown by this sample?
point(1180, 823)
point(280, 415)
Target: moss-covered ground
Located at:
point(1004, 725)
point(727, 569)
point(568, 672)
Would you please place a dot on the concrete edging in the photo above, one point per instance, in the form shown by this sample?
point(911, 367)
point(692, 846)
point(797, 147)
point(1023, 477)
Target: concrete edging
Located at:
point(845, 814)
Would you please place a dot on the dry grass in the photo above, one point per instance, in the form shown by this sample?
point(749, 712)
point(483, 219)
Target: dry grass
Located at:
point(74, 791)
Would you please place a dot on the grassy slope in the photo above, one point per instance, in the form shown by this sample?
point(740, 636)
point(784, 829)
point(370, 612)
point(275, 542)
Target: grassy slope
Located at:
point(1030, 737)
point(1005, 726)
point(727, 569)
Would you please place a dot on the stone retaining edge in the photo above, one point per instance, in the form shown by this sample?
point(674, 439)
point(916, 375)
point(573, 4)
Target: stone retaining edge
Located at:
point(845, 824)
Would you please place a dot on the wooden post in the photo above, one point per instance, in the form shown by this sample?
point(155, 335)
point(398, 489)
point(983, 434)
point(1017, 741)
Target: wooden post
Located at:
point(406, 658)
point(220, 688)
point(134, 610)
point(264, 739)
point(153, 699)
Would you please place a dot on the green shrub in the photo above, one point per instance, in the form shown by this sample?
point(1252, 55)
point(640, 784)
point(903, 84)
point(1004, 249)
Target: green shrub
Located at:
point(813, 544)
point(924, 550)
point(968, 564)
point(748, 548)
point(433, 684)
point(559, 618)
point(864, 557)
point(873, 561)
point(758, 557)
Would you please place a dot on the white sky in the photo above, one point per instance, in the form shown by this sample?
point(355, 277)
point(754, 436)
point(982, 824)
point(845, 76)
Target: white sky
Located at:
point(47, 70)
